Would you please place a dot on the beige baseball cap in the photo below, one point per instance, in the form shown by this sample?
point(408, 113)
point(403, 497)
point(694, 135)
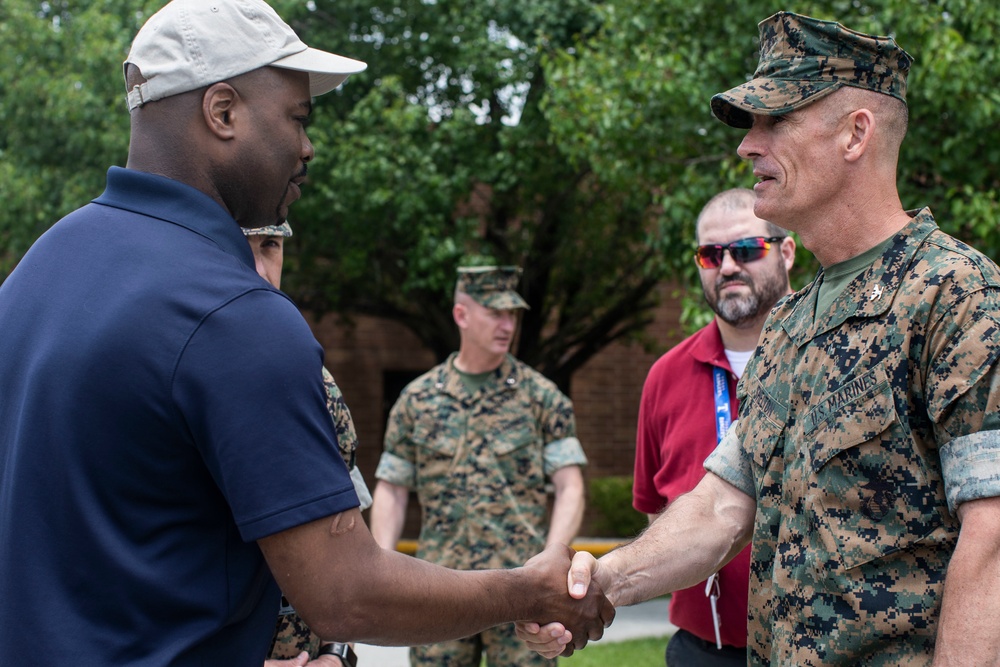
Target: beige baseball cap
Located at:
point(190, 44)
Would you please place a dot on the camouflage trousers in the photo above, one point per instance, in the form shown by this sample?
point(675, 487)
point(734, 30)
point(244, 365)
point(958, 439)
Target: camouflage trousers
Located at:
point(291, 637)
point(500, 645)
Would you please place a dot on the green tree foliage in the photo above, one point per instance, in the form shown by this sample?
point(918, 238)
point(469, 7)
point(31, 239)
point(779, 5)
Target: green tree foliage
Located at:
point(632, 102)
point(62, 115)
point(440, 154)
point(573, 138)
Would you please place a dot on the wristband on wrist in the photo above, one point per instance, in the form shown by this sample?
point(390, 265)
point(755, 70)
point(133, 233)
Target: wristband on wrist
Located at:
point(342, 651)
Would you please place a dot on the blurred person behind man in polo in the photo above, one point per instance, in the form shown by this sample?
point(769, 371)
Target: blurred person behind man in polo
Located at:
point(292, 637)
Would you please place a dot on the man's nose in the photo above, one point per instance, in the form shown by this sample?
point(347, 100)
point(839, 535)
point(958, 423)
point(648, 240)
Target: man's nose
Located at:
point(729, 265)
point(750, 147)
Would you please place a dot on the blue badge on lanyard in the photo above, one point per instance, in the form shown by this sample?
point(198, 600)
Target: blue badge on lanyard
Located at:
point(723, 416)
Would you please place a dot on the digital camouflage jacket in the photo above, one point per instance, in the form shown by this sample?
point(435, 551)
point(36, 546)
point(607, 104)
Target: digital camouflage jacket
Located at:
point(861, 430)
point(479, 461)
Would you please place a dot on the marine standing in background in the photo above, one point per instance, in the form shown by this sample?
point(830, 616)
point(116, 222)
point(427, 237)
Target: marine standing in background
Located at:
point(479, 437)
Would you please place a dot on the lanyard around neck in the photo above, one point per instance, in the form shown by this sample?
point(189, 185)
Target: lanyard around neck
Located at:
point(723, 416)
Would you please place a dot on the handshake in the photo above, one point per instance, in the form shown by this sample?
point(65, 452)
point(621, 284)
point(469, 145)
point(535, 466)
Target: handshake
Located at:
point(573, 619)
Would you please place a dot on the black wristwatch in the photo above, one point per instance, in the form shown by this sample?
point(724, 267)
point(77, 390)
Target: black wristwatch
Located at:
point(342, 651)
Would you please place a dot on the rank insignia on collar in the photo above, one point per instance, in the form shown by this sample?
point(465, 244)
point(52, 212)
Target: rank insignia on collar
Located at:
point(876, 293)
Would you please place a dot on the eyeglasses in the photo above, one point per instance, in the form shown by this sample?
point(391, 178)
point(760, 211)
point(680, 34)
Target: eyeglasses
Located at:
point(742, 251)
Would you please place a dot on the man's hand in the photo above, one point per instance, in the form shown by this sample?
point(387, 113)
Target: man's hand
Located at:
point(555, 638)
point(572, 620)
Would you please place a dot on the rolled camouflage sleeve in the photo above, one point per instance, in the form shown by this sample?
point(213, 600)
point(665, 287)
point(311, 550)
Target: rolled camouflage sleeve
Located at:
point(971, 467)
point(964, 391)
point(562, 453)
point(562, 447)
point(361, 488)
point(398, 462)
point(731, 462)
point(396, 470)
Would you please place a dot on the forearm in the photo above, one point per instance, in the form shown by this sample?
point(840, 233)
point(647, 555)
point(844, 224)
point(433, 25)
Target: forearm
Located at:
point(968, 627)
point(346, 588)
point(396, 609)
point(388, 513)
point(567, 509)
point(695, 536)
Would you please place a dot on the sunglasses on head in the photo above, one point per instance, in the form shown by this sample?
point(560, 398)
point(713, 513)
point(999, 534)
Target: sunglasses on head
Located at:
point(742, 251)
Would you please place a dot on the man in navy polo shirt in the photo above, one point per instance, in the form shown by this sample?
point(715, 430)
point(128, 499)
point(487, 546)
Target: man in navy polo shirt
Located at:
point(165, 449)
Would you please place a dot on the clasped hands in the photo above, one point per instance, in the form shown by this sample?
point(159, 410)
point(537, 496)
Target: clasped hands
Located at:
point(573, 619)
point(302, 660)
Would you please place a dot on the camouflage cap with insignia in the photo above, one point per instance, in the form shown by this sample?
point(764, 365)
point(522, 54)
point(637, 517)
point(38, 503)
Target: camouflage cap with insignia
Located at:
point(284, 229)
point(803, 59)
point(491, 286)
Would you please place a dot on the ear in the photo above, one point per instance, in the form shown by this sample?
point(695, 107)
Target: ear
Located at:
point(858, 132)
point(461, 315)
point(788, 252)
point(218, 105)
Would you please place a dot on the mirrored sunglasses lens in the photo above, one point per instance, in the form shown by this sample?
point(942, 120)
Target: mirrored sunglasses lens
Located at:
point(709, 256)
point(743, 254)
point(749, 250)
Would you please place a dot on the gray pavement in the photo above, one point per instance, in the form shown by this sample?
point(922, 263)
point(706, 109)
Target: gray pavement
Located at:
point(648, 619)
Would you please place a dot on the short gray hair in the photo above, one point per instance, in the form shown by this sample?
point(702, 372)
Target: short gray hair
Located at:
point(735, 199)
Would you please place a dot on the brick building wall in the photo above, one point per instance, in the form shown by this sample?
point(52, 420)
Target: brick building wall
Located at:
point(606, 393)
point(372, 359)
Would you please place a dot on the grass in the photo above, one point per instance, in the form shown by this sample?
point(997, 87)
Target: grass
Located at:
point(646, 652)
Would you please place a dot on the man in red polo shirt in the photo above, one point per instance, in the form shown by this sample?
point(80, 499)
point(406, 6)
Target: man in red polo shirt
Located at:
point(689, 400)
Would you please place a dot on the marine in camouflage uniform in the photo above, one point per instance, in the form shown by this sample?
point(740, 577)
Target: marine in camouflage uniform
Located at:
point(479, 460)
point(866, 421)
point(292, 635)
point(861, 431)
point(866, 456)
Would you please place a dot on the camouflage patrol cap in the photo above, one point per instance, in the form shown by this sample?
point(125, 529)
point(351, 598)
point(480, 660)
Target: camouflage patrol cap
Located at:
point(803, 59)
point(284, 229)
point(491, 286)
